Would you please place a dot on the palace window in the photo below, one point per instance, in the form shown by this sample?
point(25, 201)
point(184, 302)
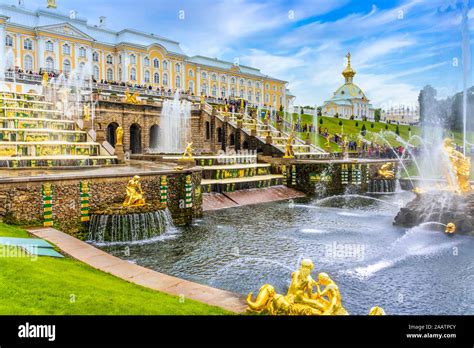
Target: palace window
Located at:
point(274, 99)
point(8, 41)
point(120, 59)
point(191, 73)
point(232, 92)
point(249, 96)
point(204, 75)
point(156, 63)
point(241, 82)
point(281, 89)
point(109, 59)
point(147, 61)
point(28, 63)
point(28, 44)
point(96, 72)
point(120, 74)
point(177, 83)
point(214, 91)
point(110, 74)
point(222, 92)
point(241, 93)
point(95, 57)
point(66, 66)
point(133, 74)
point(232, 80)
point(257, 97)
point(165, 65)
point(267, 86)
point(191, 86)
point(156, 78)
point(147, 77)
point(49, 64)
point(165, 79)
point(66, 49)
point(249, 84)
point(214, 77)
point(223, 79)
point(82, 66)
point(49, 46)
point(274, 88)
point(82, 52)
point(133, 59)
point(267, 98)
point(204, 89)
point(177, 68)
point(257, 85)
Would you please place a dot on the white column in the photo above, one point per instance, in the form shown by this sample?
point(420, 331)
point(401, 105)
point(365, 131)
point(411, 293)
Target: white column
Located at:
point(2, 50)
point(89, 61)
point(124, 67)
point(56, 55)
point(40, 58)
point(170, 74)
point(262, 93)
point(198, 81)
point(103, 74)
point(18, 51)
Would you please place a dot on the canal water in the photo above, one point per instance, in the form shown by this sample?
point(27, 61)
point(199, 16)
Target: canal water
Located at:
point(405, 271)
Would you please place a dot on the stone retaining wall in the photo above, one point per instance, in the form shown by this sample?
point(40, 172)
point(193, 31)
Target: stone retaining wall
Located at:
point(21, 202)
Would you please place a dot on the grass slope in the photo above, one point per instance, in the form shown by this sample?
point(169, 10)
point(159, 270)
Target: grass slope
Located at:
point(51, 286)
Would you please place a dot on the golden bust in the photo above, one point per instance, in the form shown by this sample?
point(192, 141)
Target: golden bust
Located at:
point(134, 193)
point(119, 136)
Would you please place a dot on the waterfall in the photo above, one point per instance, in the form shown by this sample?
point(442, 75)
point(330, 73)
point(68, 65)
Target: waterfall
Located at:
point(130, 227)
point(175, 125)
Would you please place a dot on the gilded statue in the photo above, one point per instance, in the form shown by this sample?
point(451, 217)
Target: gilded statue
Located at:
point(119, 136)
point(289, 153)
point(188, 152)
point(450, 228)
point(134, 193)
point(45, 81)
point(386, 171)
point(301, 298)
point(52, 4)
point(461, 168)
point(87, 112)
point(131, 98)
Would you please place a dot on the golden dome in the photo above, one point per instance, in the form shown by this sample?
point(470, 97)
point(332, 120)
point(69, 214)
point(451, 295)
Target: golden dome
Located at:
point(348, 72)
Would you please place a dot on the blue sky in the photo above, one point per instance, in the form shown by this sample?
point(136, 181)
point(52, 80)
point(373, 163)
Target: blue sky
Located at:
point(397, 46)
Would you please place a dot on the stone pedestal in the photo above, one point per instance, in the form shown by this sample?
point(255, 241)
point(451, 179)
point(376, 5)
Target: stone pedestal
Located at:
point(119, 152)
point(308, 139)
point(186, 162)
point(268, 139)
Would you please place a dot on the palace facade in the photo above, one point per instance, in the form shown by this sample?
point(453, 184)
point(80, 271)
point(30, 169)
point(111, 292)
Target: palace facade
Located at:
point(47, 40)
point(349, 99)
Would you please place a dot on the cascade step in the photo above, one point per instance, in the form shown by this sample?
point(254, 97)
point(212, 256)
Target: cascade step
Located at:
point(239, 180)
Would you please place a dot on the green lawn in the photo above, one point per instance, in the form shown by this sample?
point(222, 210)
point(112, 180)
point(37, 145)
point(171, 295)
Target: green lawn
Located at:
point(352, 131)
point(50, 286)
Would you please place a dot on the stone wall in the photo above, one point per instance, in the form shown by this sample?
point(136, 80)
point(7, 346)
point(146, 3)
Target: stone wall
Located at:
point(21, 202)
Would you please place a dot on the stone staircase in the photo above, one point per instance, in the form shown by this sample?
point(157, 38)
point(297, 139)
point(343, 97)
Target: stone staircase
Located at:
point(268, 134)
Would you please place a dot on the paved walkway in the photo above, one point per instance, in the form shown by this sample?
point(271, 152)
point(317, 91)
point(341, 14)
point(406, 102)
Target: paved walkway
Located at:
point(140, 275)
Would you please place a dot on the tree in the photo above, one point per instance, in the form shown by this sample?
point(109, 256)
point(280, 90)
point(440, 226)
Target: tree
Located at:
point(386, 126)
point(397, 130)
point(281, 108)
point(377, 114)
point(352, 117)
point(357, 124)
point(371, 125)
point(336, 115)
point(302, 111)
point(427, 103)
point(320, 121)
point(363, 130)
point(320, 111)
point(340, 123)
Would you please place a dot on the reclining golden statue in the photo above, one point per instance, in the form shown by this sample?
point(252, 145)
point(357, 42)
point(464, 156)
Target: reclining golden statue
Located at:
point(131, 98)
point(134, 193)
point(301, 298)
point(386, 171)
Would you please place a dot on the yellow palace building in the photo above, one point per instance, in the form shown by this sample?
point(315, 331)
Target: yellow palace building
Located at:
point(47, 40)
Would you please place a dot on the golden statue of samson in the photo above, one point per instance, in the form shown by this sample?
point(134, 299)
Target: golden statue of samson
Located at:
point(302, 299)
point(461, 168)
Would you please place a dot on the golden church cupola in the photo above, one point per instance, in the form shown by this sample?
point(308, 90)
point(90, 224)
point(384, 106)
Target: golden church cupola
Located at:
point(348, 72)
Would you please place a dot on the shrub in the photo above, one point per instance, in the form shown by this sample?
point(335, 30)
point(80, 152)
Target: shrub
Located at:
point(357, 124)
point(340, 123)
point(320, 121)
